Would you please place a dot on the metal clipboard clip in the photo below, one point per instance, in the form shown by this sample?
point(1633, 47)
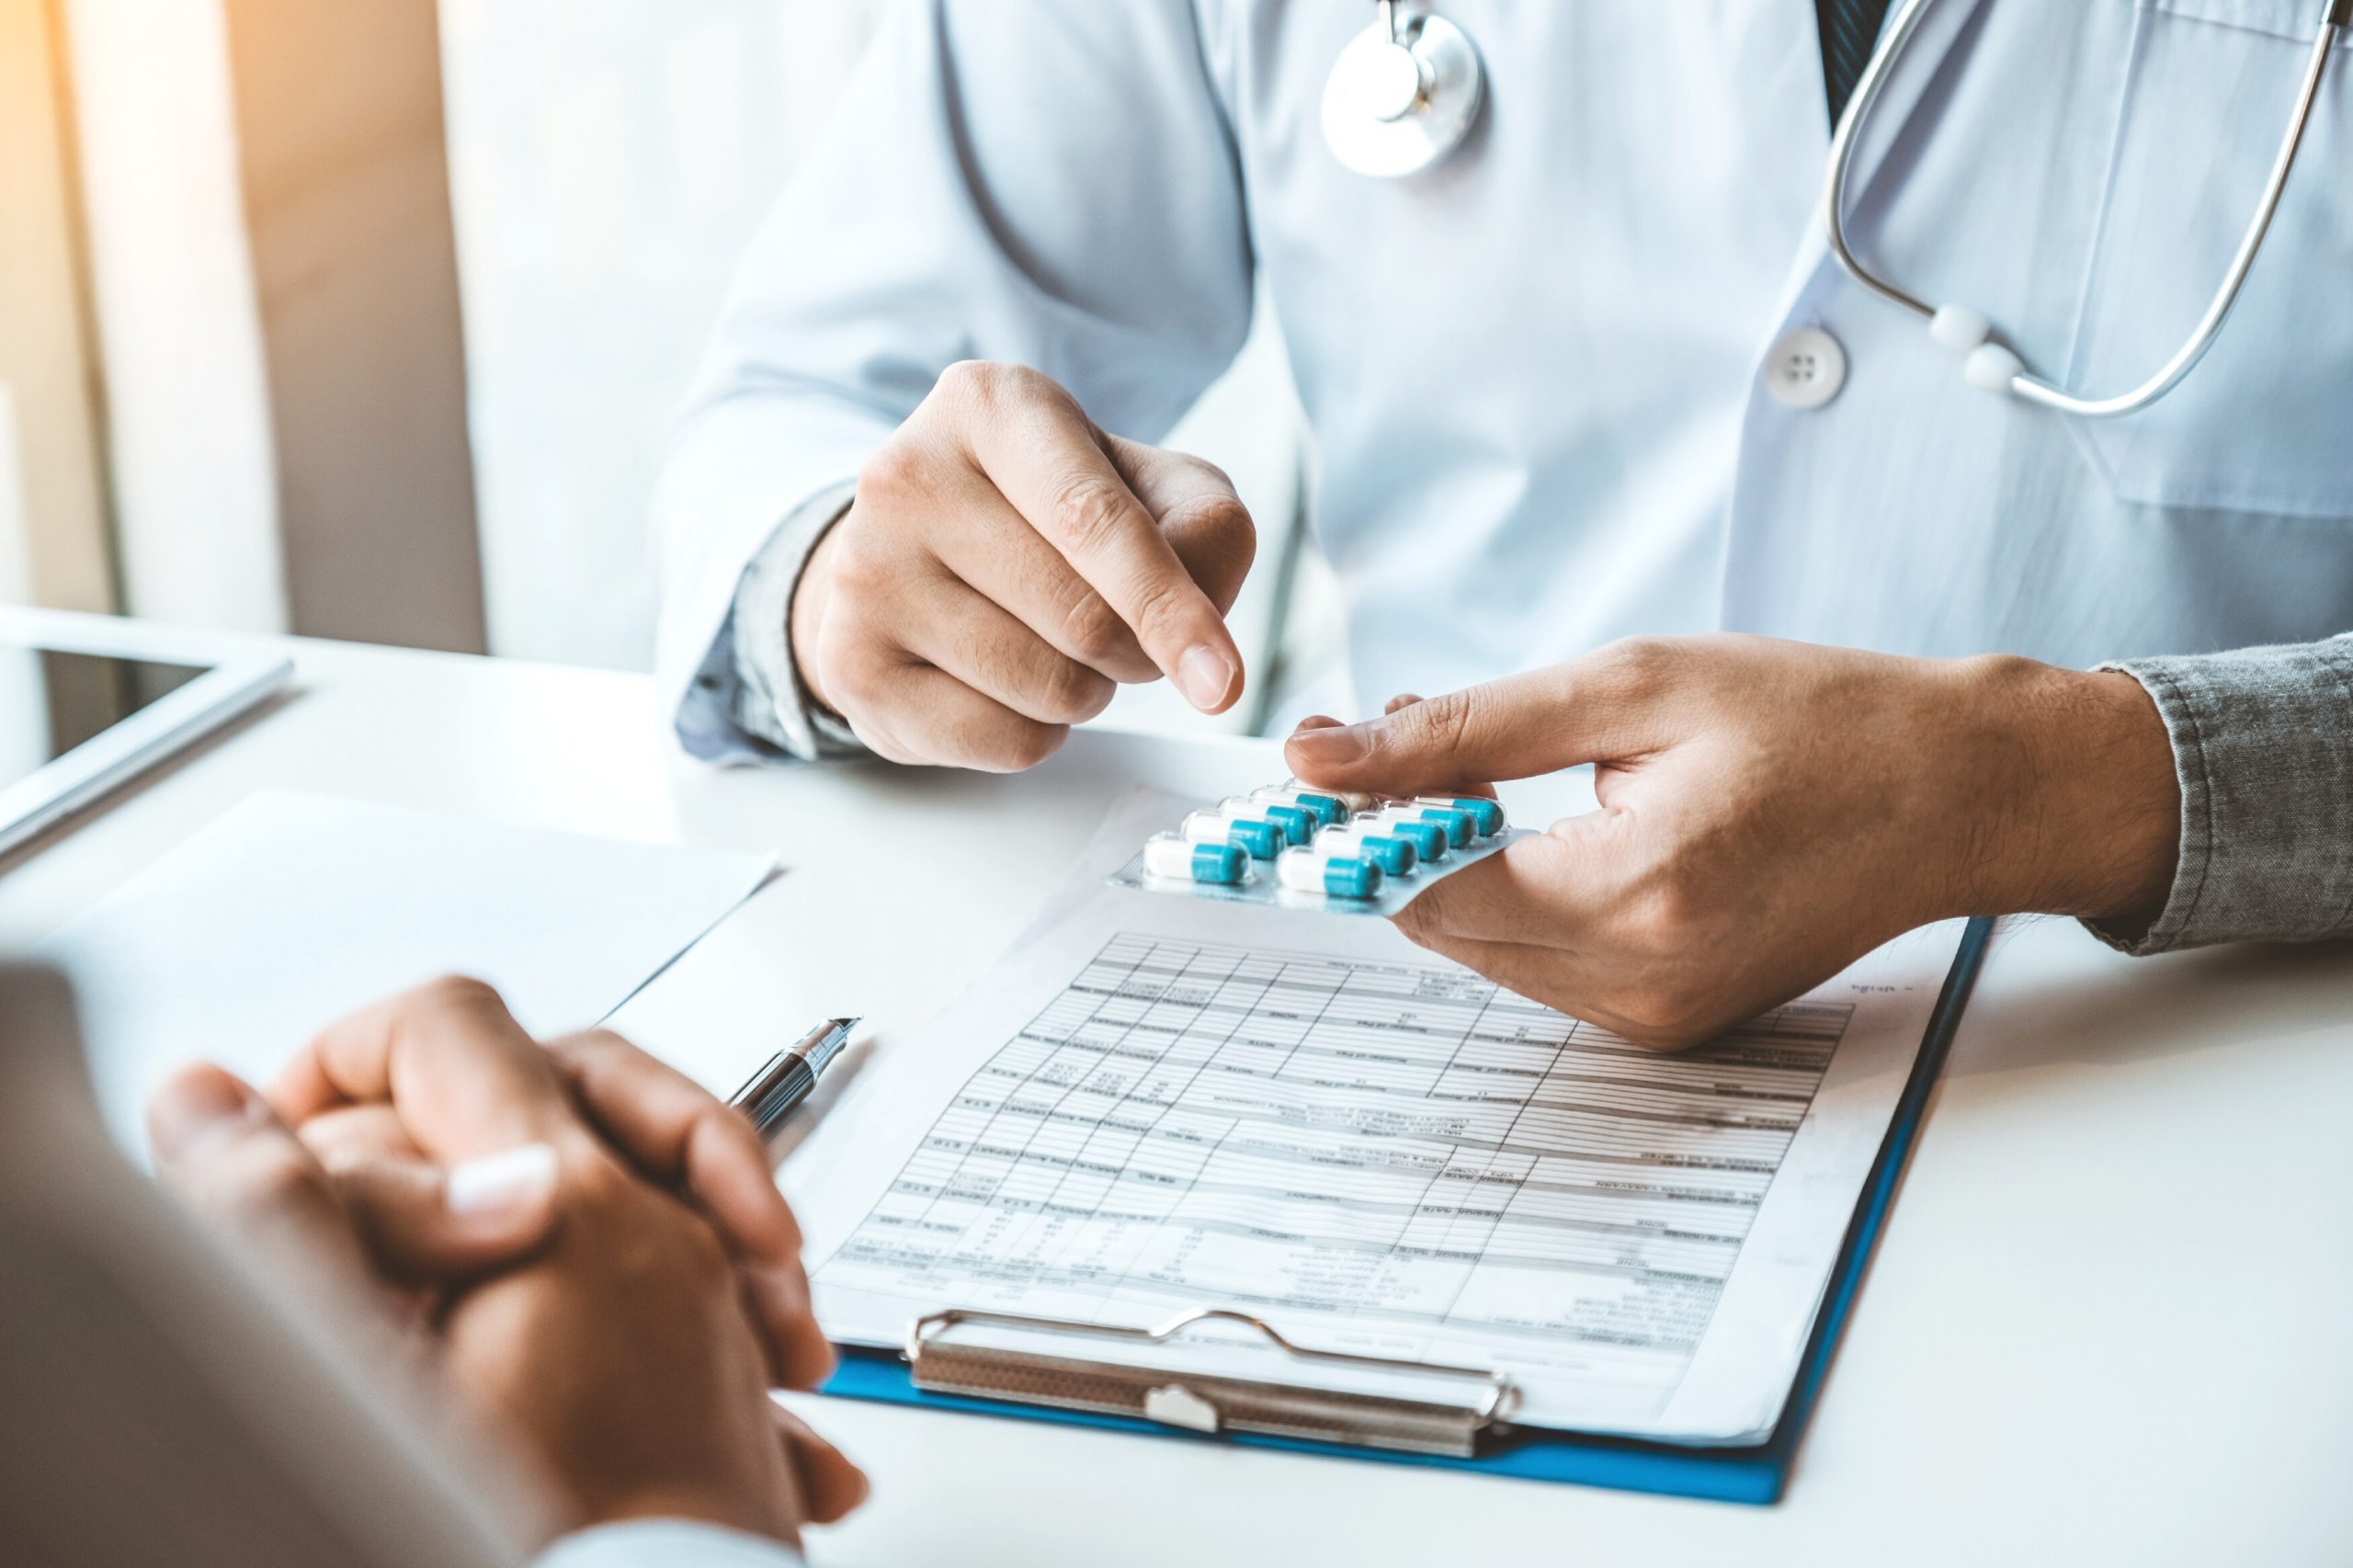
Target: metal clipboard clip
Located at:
point(1209, 1403)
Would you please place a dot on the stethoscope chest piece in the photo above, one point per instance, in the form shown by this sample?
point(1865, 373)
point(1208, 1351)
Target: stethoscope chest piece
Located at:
point(1403, 95)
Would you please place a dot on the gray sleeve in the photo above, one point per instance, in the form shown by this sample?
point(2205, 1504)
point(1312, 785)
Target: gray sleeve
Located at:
point(2263, 748)
point(768, 701)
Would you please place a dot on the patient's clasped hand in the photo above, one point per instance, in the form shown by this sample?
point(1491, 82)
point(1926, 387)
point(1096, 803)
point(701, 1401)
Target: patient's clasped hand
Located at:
point(572, 1246)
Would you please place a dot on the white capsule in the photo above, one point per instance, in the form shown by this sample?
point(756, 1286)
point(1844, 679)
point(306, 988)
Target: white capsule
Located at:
point(1183, 861)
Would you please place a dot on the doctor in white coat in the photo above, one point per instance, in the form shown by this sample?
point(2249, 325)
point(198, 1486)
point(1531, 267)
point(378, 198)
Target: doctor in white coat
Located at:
point(1589, 391)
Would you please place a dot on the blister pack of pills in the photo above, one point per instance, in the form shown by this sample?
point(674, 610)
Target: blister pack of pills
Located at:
point(1293, 847)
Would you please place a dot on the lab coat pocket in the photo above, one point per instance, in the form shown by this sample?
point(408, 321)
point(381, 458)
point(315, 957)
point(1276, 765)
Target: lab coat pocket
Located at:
point(2259, 423)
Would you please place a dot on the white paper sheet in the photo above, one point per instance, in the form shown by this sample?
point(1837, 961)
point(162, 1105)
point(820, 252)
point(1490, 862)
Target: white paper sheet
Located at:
point(1157, 1104)
point(291, 910)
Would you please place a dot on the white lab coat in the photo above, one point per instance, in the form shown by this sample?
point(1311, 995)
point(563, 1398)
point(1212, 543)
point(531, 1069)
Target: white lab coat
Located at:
point(1538, 375)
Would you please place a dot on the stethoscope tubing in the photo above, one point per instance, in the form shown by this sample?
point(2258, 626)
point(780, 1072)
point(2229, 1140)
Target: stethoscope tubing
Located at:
point(2023, 384)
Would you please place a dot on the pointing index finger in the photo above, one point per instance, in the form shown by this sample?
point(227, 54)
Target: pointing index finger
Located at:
point(1055, 466)
point(1588, 710)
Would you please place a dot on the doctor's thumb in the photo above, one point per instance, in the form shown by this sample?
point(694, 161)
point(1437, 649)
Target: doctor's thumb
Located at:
point(1474, 736)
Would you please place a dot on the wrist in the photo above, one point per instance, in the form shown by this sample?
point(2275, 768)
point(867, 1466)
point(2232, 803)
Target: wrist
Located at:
point(2086, 818)
point(805, 614)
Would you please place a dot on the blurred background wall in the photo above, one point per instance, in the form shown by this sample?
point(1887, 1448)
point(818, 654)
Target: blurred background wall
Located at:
point(53, 522)
point(369, 318)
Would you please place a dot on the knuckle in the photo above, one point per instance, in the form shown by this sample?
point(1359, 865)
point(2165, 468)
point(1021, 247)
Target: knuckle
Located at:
point(1221, 479)
point(460, 993)
point(1074, 693)
point(1088, 513)
point(1016, 748)
point(967, 381)
point(1440, 725)
point(1637, 661)
point(1223, 515)
point(1163, 609)
point(894, 471)
point(982, 390)
point(1236, 530)
point(854, 677)
point(987, 375)
point(859, 570)
point(604, 1042)
point(1093, 630)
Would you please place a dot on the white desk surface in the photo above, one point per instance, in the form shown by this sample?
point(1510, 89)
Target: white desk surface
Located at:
point(2107, 1323)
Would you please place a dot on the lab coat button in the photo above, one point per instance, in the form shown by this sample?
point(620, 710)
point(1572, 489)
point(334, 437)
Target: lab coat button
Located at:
point(1805, 368)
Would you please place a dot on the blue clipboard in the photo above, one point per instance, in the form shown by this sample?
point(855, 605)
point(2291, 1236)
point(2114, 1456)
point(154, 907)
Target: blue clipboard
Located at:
point(1756, 1474)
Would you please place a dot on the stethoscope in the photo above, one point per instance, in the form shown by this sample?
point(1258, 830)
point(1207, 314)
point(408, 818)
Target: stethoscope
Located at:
point(1405, 92)
point(1403, 95)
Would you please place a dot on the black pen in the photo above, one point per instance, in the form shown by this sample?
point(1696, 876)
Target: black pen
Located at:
point(772, 1092)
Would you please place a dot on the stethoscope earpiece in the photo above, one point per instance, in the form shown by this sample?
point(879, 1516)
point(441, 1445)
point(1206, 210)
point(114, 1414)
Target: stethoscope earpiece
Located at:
point(1403, 95)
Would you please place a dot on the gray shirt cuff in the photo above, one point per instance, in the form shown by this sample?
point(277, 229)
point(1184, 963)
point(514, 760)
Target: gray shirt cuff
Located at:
point(772, 703)
point(2263, 749)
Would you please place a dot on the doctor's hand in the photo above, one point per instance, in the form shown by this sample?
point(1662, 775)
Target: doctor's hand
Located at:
point(1769, 811)
point(1005, 564)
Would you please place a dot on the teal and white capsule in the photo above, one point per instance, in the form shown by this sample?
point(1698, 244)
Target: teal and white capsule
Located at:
point(1460, 827)
point(1429, 838)
point(1180, 861)
point(1298, 824)
point(1395, 856)
point(1259, 838)
point(1326, 810)
point(1236, 809)
point(1357, 801)
point(1486, 815)
point(1335, 876)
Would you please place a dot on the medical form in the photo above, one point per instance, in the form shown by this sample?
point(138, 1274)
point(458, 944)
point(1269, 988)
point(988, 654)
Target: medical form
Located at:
point(1157, 1104)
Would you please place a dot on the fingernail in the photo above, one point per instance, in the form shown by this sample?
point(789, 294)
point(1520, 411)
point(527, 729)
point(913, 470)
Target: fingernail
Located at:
point(520, 1177)
point(1203, 674)
point(199, 1106)
point(1332, 749)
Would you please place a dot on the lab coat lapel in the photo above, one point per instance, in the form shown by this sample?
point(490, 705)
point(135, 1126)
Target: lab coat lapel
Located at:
point(1939, 49)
